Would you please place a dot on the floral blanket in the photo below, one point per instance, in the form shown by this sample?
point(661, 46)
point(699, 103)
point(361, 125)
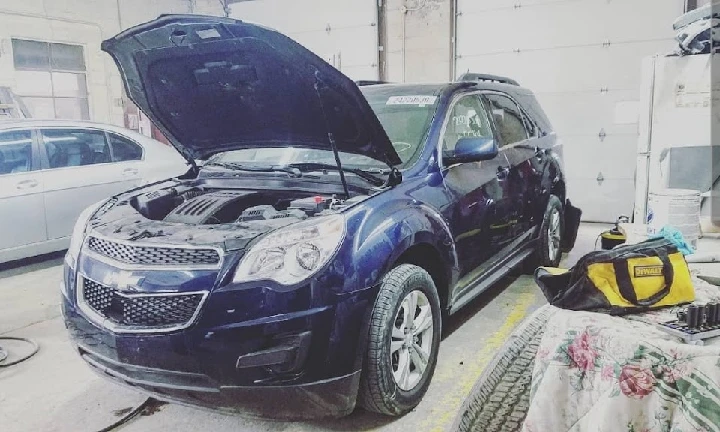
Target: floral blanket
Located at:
point(599, 373)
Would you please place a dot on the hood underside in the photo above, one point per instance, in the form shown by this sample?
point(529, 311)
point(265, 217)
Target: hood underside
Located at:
point(217, 84)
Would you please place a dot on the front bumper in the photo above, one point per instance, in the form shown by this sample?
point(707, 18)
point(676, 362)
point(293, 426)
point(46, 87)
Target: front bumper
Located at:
point(180, 377)
point(295, 365)
point(328, 398)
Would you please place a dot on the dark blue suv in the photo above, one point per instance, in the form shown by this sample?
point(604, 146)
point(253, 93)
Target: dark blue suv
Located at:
point(308, 256)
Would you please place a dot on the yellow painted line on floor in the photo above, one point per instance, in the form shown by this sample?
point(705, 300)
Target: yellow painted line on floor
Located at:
point(449, 407)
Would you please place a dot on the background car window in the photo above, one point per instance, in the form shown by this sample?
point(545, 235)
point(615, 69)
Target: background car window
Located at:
point(467, 119)
point(508, 119)
point(15, 152)
point(123, 149)
point(75, 147)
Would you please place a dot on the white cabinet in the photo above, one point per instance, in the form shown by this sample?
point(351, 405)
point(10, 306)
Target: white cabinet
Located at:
point(678, 146)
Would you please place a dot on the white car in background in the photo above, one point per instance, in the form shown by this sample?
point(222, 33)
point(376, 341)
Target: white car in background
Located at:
point(51, 170)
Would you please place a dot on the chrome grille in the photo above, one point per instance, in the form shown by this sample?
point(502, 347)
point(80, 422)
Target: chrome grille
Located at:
point(141, 311)
point(153, 255)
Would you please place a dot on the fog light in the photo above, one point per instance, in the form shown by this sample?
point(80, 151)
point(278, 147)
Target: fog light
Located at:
point(287, 355)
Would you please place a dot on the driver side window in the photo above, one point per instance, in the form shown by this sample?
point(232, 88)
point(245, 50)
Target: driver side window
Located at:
point(468, 119)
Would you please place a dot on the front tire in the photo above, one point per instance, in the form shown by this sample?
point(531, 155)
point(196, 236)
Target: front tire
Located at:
point(403, 341)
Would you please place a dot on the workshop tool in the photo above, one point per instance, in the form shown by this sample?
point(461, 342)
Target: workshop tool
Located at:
point(695, 323)
point(613, 237)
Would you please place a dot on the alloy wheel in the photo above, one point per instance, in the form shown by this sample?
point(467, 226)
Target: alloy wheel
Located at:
point(411, 340)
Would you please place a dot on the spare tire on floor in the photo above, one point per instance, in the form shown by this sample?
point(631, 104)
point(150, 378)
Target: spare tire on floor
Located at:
point(500, 399)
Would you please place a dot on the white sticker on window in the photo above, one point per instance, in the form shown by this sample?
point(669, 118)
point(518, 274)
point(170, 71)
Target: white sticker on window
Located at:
point(207, 34)
point(411, 100)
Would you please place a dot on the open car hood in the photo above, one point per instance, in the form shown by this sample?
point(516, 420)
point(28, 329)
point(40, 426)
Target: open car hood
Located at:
point(218, 84)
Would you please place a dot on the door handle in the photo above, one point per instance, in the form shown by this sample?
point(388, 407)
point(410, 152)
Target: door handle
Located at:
point(503, 171)
point(26, 184)
point(130, 171)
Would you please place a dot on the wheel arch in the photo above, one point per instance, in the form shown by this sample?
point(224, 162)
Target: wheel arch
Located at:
point(409, 233)
point(426, 256)
point(558, 189)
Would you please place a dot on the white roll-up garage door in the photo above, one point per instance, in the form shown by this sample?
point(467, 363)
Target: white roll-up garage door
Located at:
point(583, 60)
point(343, 32)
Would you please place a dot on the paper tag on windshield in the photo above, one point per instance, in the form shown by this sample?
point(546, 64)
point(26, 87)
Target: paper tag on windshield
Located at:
point(207, 34)
point(411, 100)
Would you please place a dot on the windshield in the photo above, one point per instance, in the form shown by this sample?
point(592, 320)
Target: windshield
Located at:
point(405, 113)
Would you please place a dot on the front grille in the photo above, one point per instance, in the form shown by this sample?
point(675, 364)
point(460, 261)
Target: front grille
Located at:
point(155, 311)
point(152, 255)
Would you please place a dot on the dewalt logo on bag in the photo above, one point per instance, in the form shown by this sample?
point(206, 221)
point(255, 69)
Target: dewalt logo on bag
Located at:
point(648, 271)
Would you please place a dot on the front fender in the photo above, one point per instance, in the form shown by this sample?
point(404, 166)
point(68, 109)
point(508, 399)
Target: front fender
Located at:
point(379, 233)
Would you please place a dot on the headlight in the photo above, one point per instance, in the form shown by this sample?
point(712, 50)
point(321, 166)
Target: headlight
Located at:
point(78, 234)
point(294, 253)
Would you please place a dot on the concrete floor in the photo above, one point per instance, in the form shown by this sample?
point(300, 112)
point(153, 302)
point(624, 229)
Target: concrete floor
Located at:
point(56, 391)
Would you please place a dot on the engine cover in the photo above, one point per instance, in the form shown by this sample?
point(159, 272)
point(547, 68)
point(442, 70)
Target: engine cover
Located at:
point(204, 208)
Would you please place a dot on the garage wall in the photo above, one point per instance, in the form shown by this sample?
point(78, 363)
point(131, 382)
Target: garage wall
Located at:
point(583, 60)
point(417, 41)
point(85, 23)
point(343, 32)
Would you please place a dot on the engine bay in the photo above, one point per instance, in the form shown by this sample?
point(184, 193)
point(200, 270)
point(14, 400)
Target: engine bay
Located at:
point(194, 205)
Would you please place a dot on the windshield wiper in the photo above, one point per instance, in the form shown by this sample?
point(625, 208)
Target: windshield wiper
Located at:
point(367, 175)
point(295, 172)
point(296, 169)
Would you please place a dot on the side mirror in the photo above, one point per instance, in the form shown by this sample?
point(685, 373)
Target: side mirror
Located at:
point(472, 150)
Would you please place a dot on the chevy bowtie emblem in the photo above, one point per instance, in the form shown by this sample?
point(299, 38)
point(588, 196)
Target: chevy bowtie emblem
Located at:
point(123, 280)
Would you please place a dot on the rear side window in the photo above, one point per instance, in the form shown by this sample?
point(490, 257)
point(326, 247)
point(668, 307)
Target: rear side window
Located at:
point(15, 152)
point(508, 118)
point(75, 147)
point(124, 149)
point(530, 126)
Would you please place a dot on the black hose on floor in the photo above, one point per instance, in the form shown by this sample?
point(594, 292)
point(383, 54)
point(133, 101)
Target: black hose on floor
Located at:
point(129, 416)
point(35, 348)
point(4, 353)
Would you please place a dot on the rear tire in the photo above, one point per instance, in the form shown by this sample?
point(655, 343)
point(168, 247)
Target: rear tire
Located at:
point(548, 249)
point(402, 344)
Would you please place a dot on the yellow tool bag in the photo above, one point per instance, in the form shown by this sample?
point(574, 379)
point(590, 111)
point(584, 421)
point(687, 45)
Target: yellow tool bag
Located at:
point(629, 278)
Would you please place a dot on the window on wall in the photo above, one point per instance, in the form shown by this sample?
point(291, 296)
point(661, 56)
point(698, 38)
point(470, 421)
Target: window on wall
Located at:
point(50, 78)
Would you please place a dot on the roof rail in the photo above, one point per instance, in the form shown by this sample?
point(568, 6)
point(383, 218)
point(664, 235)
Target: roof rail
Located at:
point(487, 77)
point(361, 83)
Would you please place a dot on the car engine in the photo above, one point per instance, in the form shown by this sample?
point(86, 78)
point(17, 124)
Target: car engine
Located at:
point(198, 206)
